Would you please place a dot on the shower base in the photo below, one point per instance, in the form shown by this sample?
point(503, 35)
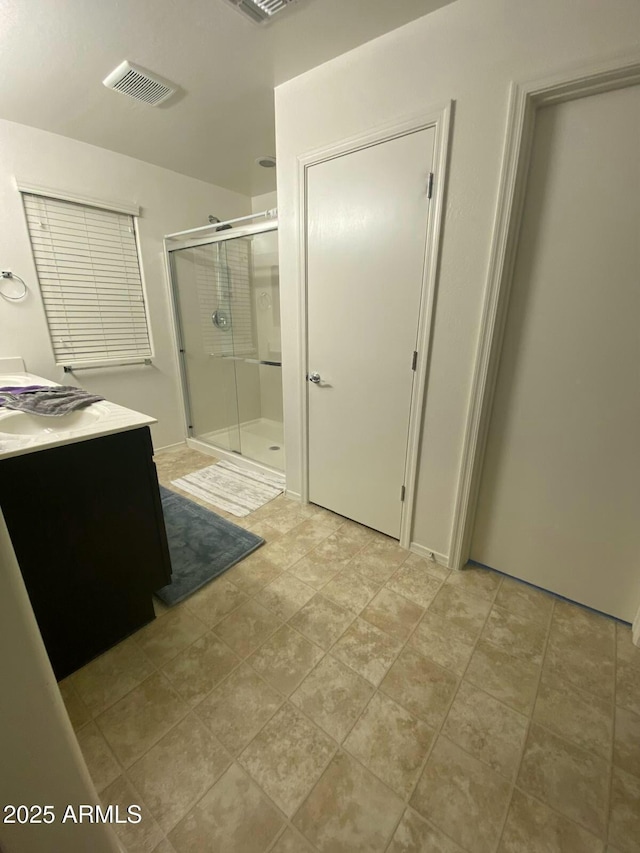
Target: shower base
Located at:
point(254, 439)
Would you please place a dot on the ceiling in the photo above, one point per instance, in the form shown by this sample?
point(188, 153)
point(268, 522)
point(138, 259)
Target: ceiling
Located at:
point(54, 56)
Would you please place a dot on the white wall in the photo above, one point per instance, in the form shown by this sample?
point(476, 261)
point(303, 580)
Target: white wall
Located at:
point(41, 760)
point(266, 201)
point(469, 51)
point(169, 201)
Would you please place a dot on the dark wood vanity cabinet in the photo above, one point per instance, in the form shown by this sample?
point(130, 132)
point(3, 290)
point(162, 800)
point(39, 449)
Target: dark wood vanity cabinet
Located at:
point(87, 527)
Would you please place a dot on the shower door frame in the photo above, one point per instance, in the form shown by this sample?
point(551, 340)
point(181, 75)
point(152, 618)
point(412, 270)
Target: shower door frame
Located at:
point(172, 244)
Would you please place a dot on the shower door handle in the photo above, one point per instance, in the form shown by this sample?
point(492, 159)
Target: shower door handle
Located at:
point(315, 378)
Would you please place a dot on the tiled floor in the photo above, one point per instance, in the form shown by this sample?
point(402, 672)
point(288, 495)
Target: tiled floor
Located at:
point(334, 693)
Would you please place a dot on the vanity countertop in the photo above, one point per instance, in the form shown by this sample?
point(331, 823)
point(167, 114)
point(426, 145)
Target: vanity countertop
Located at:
point(22, 433)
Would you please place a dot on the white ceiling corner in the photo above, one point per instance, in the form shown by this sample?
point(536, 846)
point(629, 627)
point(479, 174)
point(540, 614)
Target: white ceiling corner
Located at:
point(54, 56)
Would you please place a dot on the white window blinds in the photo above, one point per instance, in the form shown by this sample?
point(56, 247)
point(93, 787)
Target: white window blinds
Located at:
point(89, 272)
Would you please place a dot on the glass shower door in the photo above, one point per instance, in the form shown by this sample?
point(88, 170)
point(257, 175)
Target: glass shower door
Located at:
point(210, 382)
point(228, 305)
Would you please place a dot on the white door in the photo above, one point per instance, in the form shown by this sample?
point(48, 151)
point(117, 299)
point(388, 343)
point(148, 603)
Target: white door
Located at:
point(367, 226)
point(560, 492)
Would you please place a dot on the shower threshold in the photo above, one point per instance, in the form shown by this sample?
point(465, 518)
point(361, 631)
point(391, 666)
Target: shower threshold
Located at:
point(260, 440)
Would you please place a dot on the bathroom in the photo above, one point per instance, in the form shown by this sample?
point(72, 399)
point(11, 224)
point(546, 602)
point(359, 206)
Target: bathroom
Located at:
point(429, 67)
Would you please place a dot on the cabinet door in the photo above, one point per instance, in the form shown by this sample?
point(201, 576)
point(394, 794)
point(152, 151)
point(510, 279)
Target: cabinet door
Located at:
point(87, 528)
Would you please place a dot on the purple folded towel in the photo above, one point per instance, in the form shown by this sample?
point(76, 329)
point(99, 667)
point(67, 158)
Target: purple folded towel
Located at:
point(48, 400)
point(27, 389)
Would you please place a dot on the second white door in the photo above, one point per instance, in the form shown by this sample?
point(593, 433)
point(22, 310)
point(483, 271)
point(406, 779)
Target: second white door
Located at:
point(367, 215)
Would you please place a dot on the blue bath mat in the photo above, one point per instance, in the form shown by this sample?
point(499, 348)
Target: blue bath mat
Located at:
point(201, 544)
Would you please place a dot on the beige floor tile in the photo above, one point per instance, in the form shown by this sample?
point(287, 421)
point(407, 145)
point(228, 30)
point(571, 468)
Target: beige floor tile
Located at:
point(255, 571)
point(379, 560)
point(525, 600)
point(486, 729)
point(285, 659)
point(415, 583)
point(140, 837)
point(580, 717)
point(442, 642)
point(101, 762)
point(349, 810)
point(141, 718)
point(628, 686)
point(339, 547)
point(322, 621)
point(626, 748)
point(477, 581)
point(351, 590)
point(575, 621)
point(584, 662)
point(178, 770)
point(421, 686)
point(626, 652)
point(624, 817)
point(308, 535)
point(367, 650)
point(285, 551)
point(263, 529)
point(79, 714)
point(239, 707)
point(520, 636)
point(333, 696)
point(431, 567)
point(164, 847)
point(571, 780)
point(163, 639)
point(531, 826)
point(415, 835)
point(391, 743)
point(314, 570)
point(197, 670)
point(234, 817)
point(111, 676)
point(247, 628)
point(356, 532)
point(465, 611)
point(291, 842)
point(286, 518)
point(512, 680)
point(215, 601)
point(285, 595)
point(462, 797)
point(392, 613)
point(287, 758)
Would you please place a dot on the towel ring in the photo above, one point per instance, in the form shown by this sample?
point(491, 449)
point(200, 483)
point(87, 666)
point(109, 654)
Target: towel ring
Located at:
point(7, 274)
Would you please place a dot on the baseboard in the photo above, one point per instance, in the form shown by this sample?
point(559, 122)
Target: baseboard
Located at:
point(294, 496)
point(635, 629)
point(170, 446)
point(428, 554)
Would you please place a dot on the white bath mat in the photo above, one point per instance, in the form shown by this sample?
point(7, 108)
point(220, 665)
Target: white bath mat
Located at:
point(232, 488)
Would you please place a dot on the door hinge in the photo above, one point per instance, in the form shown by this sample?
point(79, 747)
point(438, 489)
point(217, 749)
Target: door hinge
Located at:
point(430, 185)
point(402, 493)
point(414, 360)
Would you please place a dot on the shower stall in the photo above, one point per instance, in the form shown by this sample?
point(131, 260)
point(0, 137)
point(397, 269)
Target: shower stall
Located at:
point(226, 299)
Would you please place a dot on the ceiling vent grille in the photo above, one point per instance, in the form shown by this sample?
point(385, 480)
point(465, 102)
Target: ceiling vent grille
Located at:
point(139, 84)
point(261, 11)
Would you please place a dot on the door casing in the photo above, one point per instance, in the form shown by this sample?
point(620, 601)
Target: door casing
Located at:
point(438, 118)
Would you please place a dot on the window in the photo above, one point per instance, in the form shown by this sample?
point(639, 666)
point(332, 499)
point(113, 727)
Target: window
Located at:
point(89, 272)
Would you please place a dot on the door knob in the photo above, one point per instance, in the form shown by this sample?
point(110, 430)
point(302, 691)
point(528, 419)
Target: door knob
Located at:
point(315, 378)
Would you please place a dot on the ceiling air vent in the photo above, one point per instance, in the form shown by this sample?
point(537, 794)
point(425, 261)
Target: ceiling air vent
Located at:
point(140, 84)
point(261, 11)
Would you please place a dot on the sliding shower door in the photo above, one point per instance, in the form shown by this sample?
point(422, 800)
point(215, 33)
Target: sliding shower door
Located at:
point(228, 310)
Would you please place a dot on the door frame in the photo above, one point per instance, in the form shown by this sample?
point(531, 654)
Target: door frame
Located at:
point(524, 101)
point(439, 118)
